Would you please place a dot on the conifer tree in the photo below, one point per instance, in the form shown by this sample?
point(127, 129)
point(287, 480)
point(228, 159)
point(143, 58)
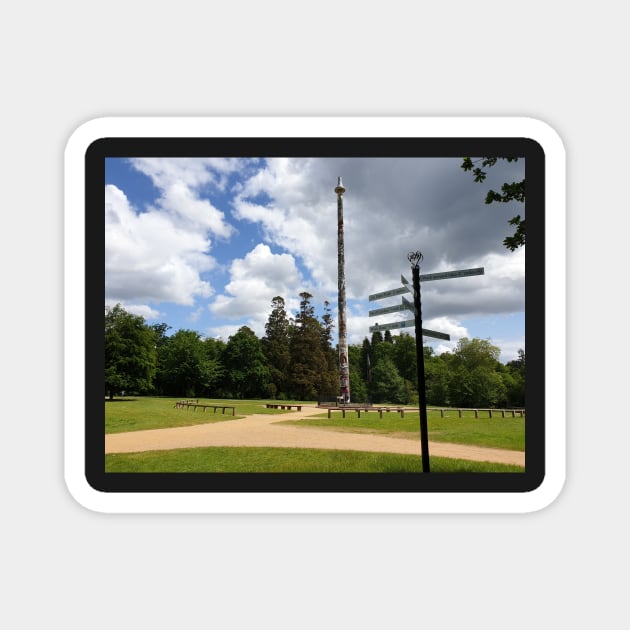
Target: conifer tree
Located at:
point(275, 345)
point(329, 381)
point(309, 367)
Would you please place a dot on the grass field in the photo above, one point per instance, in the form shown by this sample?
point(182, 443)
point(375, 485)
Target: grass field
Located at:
point(494, 432)
point(138, 414)
point(269, 460)
point(135, 414)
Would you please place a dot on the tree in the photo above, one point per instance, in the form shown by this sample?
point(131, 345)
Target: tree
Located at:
point(275, 345)
point(214, 370)
point(358, 385)
point(160, 333)
point(514, 191)
point(474, 353)
point(246, 371)
point(366, 361)
point(382, 350)
point(437, 379)
point(518, 364)
point(377, 337)
point(476, 380)
point(405, 356)
point(514, 379)
point(330, 379)
point(311, 377)
point(387, 384)
point(184, 366)
point(480, 387)
point(130, 352)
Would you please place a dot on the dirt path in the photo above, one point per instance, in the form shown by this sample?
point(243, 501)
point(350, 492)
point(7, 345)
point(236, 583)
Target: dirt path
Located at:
point(264, 430)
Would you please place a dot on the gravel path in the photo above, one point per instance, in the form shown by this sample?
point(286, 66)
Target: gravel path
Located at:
point(265, 430)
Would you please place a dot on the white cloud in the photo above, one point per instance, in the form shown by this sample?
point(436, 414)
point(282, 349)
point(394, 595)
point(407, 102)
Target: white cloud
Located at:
point(186, 210)
point(254, 281)
point(159, 252)
point(509, 348)
point(192, 173)
point(391, 207)
point(358, 328)
point(141, 310)
point(448, 326)
point(299, 219)
point(149, 258)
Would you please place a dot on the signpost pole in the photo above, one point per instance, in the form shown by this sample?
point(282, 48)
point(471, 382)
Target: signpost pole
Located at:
point(415, 258)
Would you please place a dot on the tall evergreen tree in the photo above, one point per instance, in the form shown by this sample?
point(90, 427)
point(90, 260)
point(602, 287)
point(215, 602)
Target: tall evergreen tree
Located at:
point(309, 366)
point(366, 361)
point(377, 337)
point(330, 378)
point(275, 345)
point(358, 385)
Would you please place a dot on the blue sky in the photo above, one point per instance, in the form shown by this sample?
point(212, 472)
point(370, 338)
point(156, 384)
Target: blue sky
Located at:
point(206, 243)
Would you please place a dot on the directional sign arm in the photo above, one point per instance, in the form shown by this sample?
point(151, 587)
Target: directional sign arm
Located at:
point(407, 305)
point(386, 294)
point(461, 273)
point(410, 323)
point(387, 309)
point(438, 335)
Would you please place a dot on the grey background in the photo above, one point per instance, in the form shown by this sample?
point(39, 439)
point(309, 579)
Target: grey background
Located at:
point(68, 62)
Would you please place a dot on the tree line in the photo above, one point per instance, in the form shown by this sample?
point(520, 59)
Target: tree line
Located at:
point(295, 360)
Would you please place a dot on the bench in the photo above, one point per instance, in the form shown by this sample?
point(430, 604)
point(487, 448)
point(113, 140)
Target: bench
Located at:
point(283, 406)
point(490, 412)
point(195, 404)
point(400, 410)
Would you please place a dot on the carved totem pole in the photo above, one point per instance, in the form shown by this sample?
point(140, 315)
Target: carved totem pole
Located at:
point(344, 371)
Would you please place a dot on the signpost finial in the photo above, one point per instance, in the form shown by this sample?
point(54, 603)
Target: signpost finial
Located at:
point(415, 258)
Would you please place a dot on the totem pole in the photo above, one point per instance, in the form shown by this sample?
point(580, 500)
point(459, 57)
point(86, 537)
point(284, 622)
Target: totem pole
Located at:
point(344, 372)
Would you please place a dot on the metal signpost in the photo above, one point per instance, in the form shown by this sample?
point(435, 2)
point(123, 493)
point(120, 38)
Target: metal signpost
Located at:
point(415, 258)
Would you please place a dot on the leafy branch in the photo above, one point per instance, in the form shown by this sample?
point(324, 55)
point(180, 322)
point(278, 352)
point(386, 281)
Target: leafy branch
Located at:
point(514, 191)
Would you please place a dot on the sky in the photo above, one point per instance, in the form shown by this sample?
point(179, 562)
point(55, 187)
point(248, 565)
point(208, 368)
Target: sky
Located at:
point(205, 244)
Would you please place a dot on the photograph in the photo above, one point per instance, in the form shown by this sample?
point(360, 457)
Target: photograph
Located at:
point(336, 314)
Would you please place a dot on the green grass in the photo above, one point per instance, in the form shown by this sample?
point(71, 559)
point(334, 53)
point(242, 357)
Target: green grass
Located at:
point(138, 414)
point(497, 432)
point(264, 460)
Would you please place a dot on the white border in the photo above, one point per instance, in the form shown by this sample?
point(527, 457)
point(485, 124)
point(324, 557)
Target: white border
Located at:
point(310, 503)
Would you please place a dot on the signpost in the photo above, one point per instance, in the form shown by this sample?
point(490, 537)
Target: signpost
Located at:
point(415, 258)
